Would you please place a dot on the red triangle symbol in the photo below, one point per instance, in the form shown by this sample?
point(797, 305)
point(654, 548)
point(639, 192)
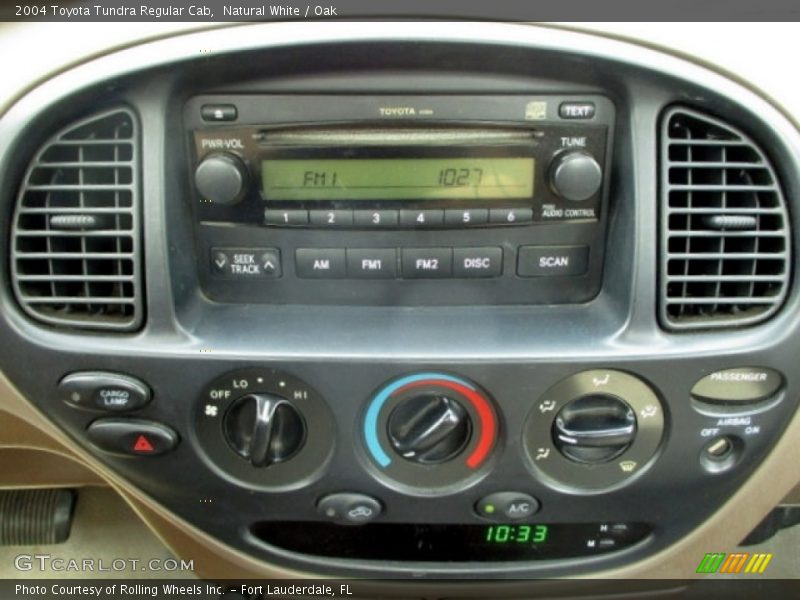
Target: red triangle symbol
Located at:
point(143, 445)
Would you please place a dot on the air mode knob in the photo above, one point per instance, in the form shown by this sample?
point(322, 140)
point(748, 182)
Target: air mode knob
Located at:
point(264, 429)
point(429, 428)
point(221, 178)
point(575, 176)
point(594, 428)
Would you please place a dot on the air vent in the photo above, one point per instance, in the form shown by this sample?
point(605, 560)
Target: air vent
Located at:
point(75, 241)
point(725, 233)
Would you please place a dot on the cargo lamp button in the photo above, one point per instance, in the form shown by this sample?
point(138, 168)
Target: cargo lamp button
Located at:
point(507, 506)
point(103, 391)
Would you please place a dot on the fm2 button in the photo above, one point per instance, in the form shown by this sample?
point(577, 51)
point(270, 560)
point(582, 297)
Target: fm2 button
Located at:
point(349, 508)
point(507, 506)
point(101, 391)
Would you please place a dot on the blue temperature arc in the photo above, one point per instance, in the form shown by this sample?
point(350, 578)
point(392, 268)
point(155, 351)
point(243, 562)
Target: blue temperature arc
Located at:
point(371, 420)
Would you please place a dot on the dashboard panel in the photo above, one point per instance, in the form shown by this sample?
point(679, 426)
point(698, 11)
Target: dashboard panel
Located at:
point(541, 421)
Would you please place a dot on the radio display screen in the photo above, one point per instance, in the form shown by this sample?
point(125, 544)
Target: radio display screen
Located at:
point(398, 179)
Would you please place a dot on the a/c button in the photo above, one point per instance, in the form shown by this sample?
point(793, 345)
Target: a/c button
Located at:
point(544, 261)
point(507, 506)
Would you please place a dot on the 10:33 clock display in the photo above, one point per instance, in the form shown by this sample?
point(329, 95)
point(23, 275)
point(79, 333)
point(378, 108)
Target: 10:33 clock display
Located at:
point(516, 534)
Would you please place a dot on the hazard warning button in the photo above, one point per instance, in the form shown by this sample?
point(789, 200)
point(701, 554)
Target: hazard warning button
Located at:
point(132, 437)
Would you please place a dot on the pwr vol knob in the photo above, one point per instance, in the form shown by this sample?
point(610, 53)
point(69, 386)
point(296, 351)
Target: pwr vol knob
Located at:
point(221, 178)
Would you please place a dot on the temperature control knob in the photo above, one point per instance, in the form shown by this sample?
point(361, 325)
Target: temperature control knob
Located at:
point(264, 429)
point(221, 178)
point(594, 428)
point(429, 428)
point(575, 176)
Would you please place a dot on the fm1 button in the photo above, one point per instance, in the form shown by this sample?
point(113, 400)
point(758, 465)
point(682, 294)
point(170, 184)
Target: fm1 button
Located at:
point(133, 437)
point(348, 508)
point(507, 506)
point(367, 263)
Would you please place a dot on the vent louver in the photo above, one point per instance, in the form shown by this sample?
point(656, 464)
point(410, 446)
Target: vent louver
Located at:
point(725, 243)
point(75, 240)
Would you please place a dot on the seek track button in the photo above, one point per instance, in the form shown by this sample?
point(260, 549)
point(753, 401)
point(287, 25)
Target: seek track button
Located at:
point(246, 262)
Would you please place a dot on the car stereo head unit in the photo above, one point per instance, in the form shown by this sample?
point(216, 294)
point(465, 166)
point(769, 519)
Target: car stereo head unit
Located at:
point(391, 192)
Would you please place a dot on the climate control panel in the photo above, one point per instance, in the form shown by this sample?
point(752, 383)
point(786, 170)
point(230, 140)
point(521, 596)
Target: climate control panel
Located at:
point(528, 465)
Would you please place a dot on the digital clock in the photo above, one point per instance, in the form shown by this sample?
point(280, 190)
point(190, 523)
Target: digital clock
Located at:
point(451, 542)
point(516, 534)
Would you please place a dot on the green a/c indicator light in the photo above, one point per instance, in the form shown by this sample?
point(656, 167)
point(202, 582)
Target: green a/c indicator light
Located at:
point(489, 509)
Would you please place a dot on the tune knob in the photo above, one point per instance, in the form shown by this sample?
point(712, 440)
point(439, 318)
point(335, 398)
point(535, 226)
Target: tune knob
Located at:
point(429, 428)
point(221, 178)
point(594, 428)
point(264, 429)
point(575, 176)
